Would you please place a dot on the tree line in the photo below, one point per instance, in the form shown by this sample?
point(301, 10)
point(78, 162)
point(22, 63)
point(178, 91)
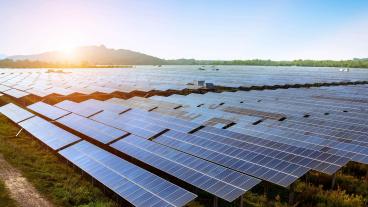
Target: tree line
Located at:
point(355, 63)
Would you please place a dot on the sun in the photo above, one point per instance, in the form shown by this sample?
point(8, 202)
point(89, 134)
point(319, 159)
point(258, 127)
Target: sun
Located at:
point(68, 53)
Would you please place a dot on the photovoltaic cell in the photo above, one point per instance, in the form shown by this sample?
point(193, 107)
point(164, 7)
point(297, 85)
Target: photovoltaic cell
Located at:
point(16, 93)
point(134, 184)
point(103, 105)
point(134, 127)
point(220, 181)
point(275, 171)
point(93, 129)
point(4, 88)
point(47, 110)
point(15, 113)
point(46, 132)
point(76, 108)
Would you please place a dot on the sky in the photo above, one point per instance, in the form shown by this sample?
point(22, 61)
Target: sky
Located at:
point(200, 29)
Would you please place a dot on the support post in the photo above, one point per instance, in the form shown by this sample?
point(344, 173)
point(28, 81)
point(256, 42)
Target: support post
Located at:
point(333, 181)
point(291, 194)
point(265, 189)
point(241, 201)
point(215, 201)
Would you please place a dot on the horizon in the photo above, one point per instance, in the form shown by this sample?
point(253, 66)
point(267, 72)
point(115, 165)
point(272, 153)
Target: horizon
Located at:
point(70, 52)
point(241, 30)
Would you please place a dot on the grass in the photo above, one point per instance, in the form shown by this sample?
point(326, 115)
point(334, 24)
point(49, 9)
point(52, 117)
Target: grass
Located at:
point(5, 199)
point(53, 178)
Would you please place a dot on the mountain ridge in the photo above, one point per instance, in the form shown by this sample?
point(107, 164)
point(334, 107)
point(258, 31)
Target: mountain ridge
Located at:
point(94, 55)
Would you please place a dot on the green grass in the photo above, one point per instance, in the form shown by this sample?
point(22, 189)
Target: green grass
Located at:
point(52, 177)
point(5, 200)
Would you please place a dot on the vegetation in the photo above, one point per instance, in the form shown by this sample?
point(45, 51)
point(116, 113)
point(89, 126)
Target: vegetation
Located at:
point(60, 183)
point(356, 63)
point(5, 199)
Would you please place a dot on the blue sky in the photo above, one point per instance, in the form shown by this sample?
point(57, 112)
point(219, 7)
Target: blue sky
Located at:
point(201, 29)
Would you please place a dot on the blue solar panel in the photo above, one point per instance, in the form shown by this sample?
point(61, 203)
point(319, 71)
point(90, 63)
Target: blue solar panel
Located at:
point(46, 132)
point(134, 184)
point(247, 162)
point(77, 108)
point(15, 113)
point(47, 110)
point(90, 128)
point(198, 172)
point(143, 130)
point(104, 105)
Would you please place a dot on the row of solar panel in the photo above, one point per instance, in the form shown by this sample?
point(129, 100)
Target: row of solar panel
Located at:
point(134, 184)
point(202, 174)
point(290, 165)
point(354, 152)
point(87, 81)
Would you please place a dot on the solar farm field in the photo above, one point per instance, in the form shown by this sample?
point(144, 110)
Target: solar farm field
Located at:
point(189, 135)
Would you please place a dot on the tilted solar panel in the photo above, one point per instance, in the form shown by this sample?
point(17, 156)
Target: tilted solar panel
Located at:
point(47, 110)
point(104, 105)
point(134, 184)
point(277, 171)
point(76, 108)
point(93, 129)
point(16, 93)
point(220, 181)
point(112, 119)
point(15, 113)
point(48, 133)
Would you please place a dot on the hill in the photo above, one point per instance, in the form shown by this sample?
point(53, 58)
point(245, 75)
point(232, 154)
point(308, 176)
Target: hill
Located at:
point(92, 55)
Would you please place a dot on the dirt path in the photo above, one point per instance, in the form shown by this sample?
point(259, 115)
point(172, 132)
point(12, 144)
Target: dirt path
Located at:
point(20, 189)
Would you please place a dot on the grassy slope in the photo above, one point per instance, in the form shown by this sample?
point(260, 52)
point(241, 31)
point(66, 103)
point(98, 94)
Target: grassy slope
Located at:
point(5, 200)
point(52, 177)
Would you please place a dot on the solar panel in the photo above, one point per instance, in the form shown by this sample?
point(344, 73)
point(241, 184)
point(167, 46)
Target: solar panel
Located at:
point(134, 184)
point(163, 121)
point(39, 92)
point(47, 110)
point(93, 129)
point(313, 159)
point(4, 88)
point(15, 113)
point(77, 108)
point(48, 133)
point(103, 105)
point(276, 171)
point(112, 119)
point(215, 179)
point(16, 93)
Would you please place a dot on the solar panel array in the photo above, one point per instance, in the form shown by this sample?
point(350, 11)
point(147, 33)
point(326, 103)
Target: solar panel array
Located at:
point(132, 183)
point(39, 82)
point(223, 143)
point(138, 186)
point(334, 123)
